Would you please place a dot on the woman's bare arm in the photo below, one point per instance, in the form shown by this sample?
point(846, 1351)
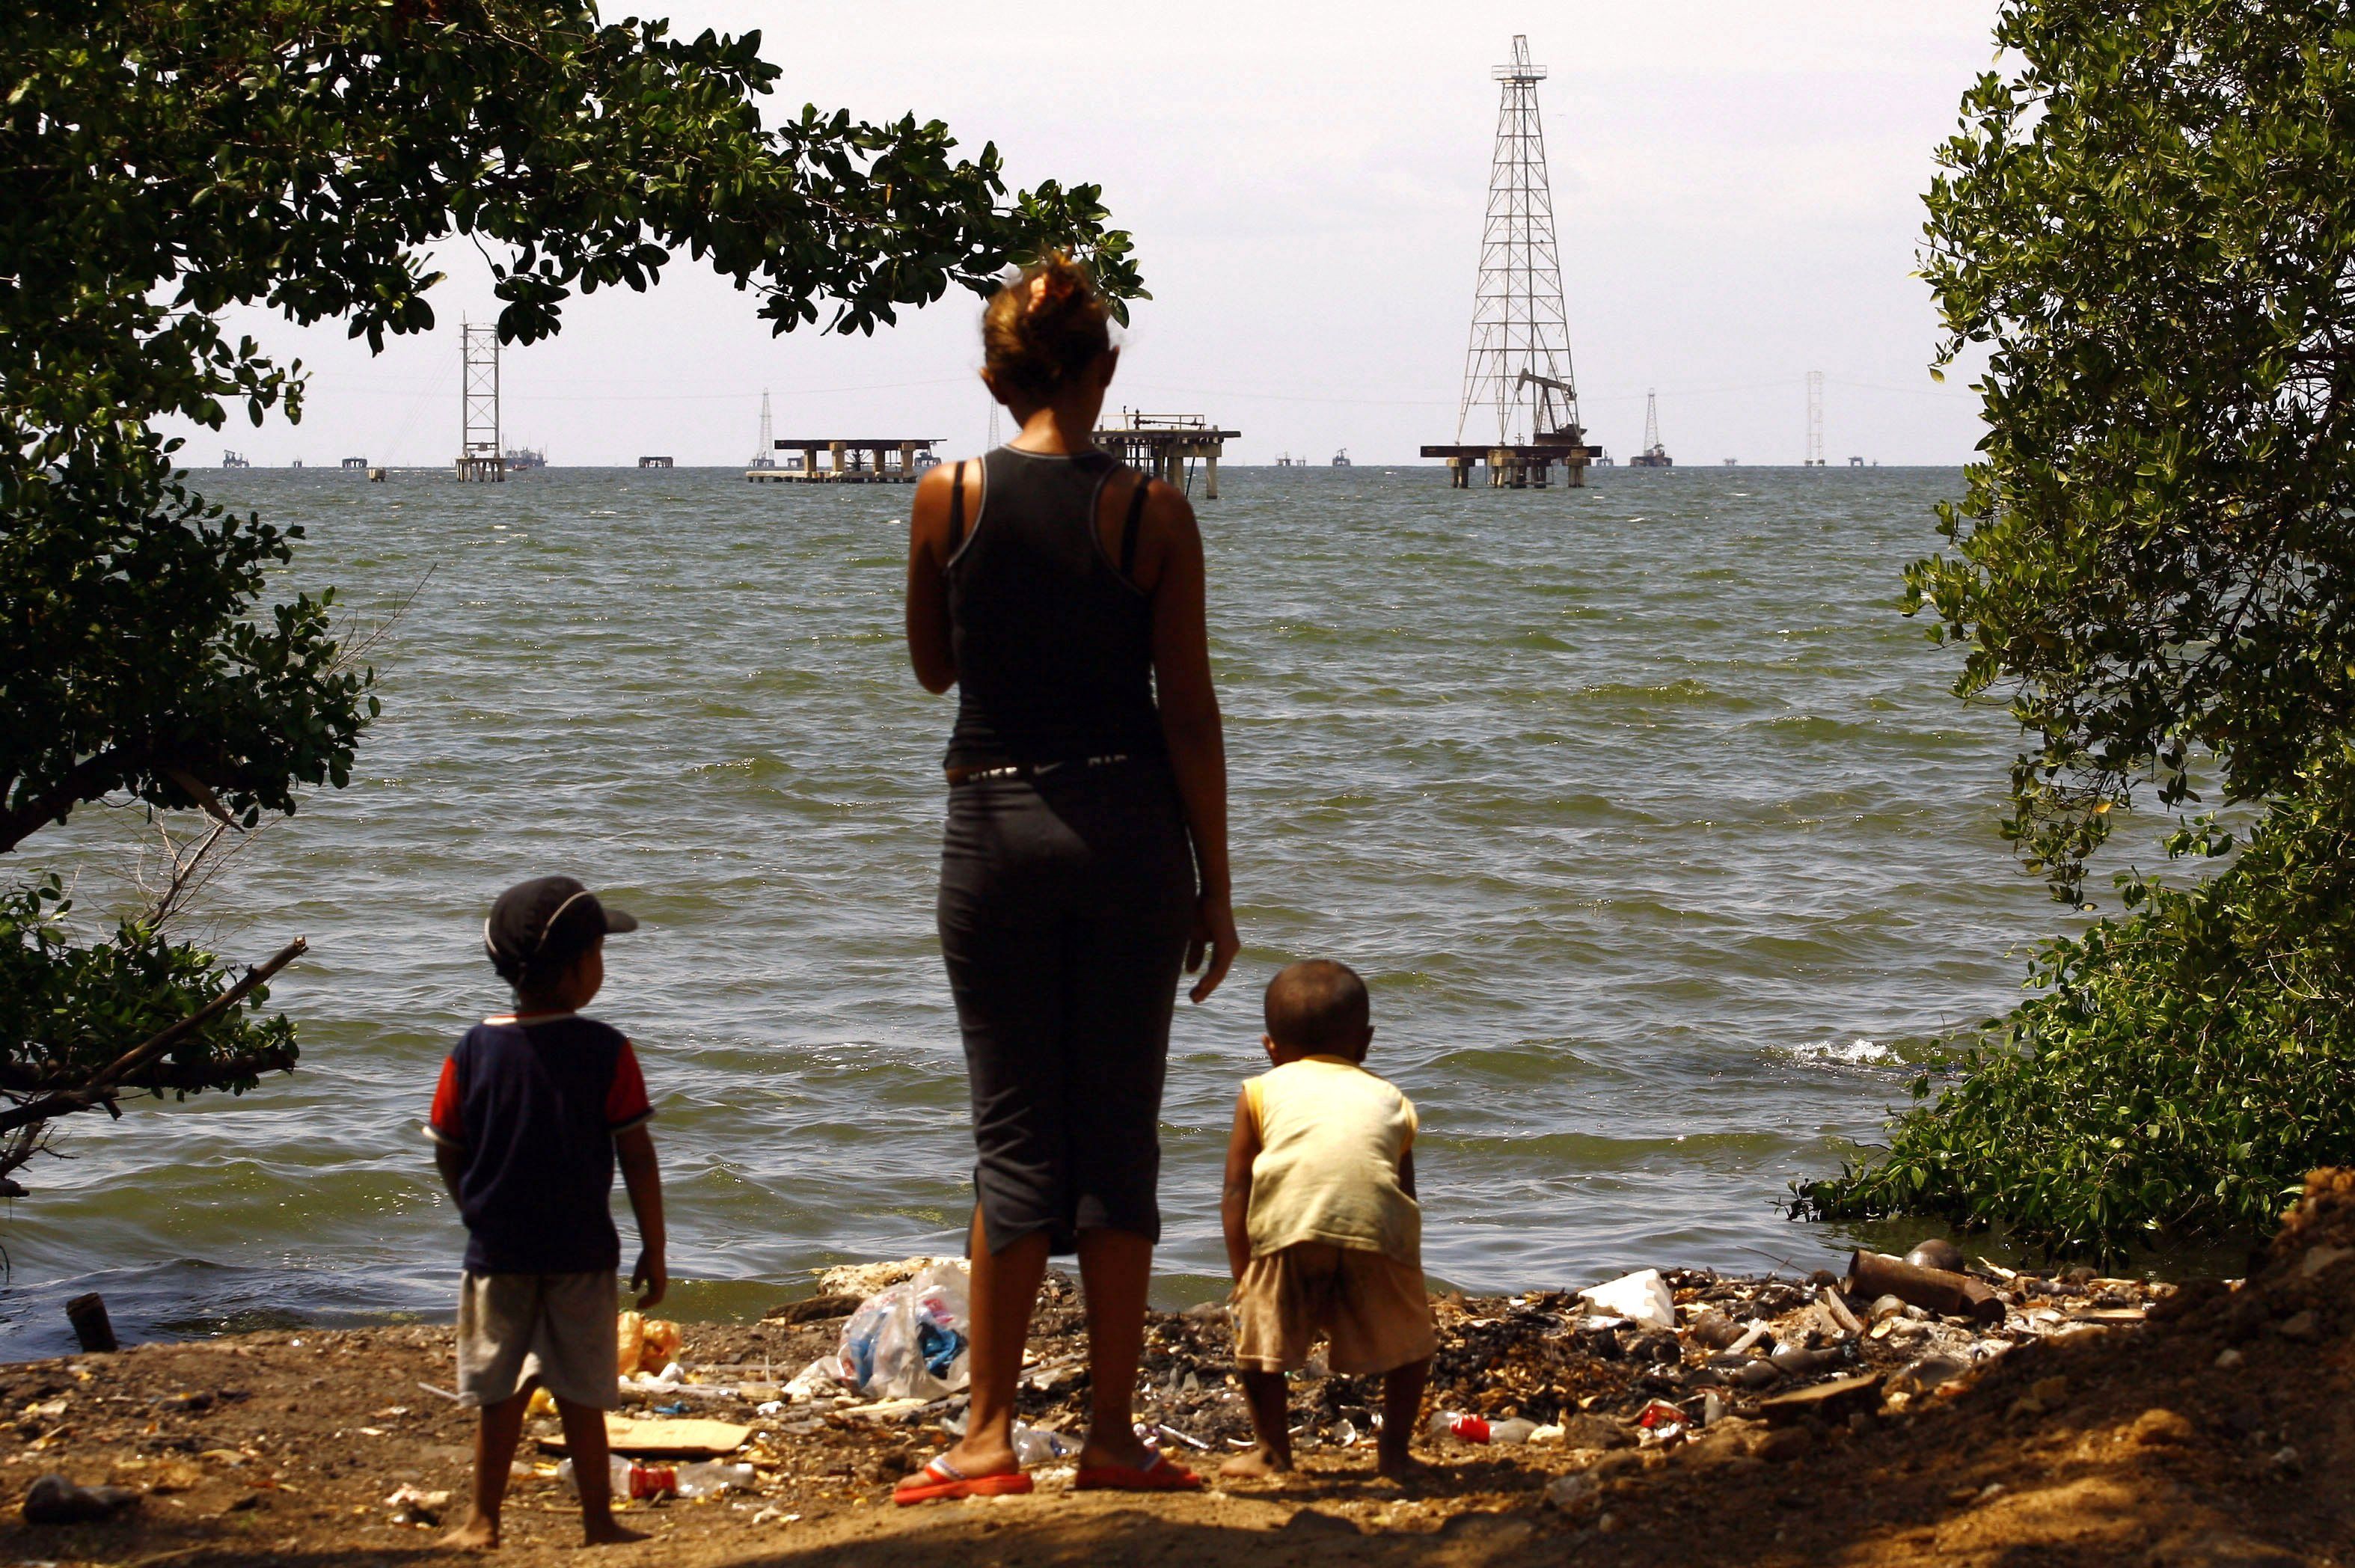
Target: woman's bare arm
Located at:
point(930, 648)
point(1172, 572)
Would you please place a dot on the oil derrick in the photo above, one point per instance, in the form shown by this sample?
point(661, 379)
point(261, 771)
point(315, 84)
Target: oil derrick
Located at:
point(764, 455)
point(1520, 410)
point(1654, 454)
point(1814, 419)
point(480, 455)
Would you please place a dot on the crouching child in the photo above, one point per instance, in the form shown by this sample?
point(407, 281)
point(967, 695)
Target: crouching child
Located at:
point(1324, 1234)
point(533, 1110)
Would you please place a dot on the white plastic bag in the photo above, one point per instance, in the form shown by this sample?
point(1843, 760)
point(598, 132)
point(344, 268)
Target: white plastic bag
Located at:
point(1640, 1297)
point(909, 1342)
point(820, 1380)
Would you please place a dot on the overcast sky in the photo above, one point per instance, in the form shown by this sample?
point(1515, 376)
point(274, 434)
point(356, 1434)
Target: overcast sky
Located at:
point(1737, 190)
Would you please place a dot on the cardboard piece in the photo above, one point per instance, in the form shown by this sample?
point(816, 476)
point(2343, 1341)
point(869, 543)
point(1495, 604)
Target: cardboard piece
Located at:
point(665, 1439)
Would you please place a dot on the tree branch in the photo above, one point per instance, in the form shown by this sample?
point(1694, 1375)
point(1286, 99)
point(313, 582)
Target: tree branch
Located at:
point(100, 1087)
point(83, 781)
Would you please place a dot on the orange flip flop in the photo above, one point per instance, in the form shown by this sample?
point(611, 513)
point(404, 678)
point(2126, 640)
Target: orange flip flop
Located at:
point(1162, 1475)
point(941, 1481)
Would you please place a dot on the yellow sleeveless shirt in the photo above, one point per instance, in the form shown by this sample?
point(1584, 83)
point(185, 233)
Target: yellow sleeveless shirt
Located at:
point(1331, 1135)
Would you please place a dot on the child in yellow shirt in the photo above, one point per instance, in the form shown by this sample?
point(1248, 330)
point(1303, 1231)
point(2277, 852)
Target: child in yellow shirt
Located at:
point(1324, 1234)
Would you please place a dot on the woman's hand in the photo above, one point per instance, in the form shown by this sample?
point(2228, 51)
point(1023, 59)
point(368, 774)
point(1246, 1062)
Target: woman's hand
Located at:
point(1214, 932)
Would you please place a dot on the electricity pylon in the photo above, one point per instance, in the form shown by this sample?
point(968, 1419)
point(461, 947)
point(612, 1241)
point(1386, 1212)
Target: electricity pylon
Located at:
point(480, 455)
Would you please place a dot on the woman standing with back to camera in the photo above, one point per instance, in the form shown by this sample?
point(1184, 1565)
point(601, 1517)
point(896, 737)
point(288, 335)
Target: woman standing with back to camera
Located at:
point(1085, 857)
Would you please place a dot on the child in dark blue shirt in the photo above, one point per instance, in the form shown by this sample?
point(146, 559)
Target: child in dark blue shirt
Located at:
point(533, 1112)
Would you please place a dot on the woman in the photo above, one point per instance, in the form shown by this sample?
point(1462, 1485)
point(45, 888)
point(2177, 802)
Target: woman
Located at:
point(1085, 857)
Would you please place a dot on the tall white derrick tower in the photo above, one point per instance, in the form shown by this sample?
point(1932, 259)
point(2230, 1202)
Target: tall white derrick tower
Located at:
point(1518, 384)
point(764, 455)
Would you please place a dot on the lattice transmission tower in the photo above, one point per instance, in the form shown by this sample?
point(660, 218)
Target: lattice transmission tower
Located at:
point(1814, 419)
point(480, 455)
point(1519, 363)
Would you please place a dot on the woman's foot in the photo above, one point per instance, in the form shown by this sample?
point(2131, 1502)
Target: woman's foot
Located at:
point(976, 1456)
point(1159, 1473)
point(1116, 1447)
point(940, 1481)
point(1259, 1463)
point(480, 1533)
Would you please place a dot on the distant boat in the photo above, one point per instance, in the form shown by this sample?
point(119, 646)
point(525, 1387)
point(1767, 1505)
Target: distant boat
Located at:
point(526, 457)
point(1341, 459)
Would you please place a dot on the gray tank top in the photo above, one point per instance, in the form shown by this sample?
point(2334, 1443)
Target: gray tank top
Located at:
point(1053, 644)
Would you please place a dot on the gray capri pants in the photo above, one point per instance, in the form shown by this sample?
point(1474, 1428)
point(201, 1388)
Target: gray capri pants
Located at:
point(1065, 904)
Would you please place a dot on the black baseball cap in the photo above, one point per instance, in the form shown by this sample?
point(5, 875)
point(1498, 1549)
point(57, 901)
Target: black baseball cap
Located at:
point(544, 918)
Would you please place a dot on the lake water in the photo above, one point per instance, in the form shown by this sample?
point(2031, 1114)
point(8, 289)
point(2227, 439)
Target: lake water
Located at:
point(1652, 824)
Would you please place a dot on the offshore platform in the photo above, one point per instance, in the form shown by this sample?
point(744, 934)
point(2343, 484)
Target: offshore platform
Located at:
point(1654, 454)
point(1162, 446)
point(1516, 372)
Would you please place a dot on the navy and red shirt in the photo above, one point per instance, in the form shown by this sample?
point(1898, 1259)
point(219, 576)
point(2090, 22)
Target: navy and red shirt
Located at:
point(534, 1104)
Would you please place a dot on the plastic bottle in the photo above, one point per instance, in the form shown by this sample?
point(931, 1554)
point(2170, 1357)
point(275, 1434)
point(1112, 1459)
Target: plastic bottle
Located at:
point(632, 1480)
point(1456, 1424)
point(1479, 1428)
point(711, 1477)
point(1032, 1446)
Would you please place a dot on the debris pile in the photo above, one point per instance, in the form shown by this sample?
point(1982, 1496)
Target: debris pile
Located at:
point(1651, 1360)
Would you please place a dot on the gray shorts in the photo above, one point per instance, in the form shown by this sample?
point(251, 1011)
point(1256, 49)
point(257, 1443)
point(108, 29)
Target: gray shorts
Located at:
point(559, 1328)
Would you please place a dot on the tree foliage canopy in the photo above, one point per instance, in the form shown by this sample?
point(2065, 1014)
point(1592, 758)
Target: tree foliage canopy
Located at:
point(164, 160)
point(168, 158)
point(2150, 220)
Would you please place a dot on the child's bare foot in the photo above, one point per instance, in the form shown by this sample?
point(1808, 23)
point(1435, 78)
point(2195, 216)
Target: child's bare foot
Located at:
point(608, 1531)
point(477, 1534)
point(1259, 1463)
point(1404, 1468)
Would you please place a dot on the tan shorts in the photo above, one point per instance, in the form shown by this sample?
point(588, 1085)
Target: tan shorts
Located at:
point(557, 1327)
point(1372, 1306)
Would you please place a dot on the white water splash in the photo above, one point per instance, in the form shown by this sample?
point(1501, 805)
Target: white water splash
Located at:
point(1857, 1052)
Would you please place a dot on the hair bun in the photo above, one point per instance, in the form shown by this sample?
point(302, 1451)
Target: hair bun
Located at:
point(1053, 287)
point(1045, 326)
